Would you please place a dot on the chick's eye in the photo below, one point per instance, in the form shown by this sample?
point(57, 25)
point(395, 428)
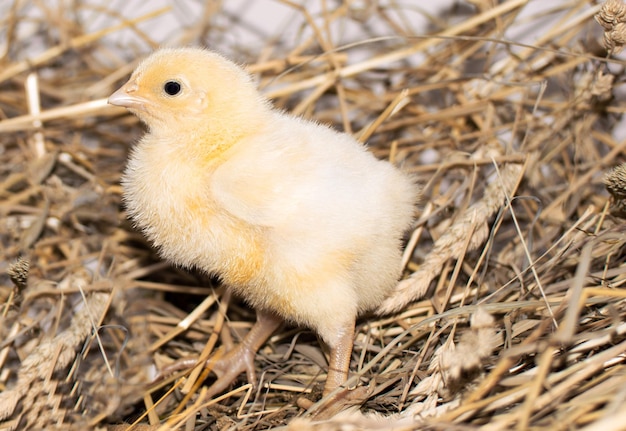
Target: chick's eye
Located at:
point(172, 88)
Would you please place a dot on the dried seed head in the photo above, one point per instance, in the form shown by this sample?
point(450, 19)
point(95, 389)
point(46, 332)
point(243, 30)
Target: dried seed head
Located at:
point(612, 12)
point(18, 272)
point(593, 84)
point(618, 208)
point(612, 17)
point(582, 86)
point(615, 182)
point(473, 347)
point(614, 39)
point(481, 319)
point(602, 85)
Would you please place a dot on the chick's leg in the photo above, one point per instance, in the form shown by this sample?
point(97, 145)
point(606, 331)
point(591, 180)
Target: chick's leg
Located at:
point(241, 358)
point(340, 353)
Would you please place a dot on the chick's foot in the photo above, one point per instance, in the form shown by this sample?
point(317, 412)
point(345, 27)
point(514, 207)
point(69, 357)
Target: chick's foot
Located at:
point(234, 362)
point(241, 358)
point(228, 366)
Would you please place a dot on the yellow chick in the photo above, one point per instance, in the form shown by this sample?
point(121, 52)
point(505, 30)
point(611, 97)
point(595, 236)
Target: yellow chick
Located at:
point(299, 220)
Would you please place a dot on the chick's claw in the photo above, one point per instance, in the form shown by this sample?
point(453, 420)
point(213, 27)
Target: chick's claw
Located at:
point(225, 366)
point(241, 358)
point(229, 366)
point(234, 362)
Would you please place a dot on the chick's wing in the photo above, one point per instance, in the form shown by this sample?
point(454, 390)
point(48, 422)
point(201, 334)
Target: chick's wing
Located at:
point(287, 173)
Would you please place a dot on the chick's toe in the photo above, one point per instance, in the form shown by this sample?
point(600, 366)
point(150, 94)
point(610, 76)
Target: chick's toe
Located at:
point(241, 357)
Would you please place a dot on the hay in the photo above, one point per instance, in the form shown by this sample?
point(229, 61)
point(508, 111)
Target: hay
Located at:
point(522, 262)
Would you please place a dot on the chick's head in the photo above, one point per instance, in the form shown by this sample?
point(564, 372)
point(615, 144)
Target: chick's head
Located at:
point(190, 89)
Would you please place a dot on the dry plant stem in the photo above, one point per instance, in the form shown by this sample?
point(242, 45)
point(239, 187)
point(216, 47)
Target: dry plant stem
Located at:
point(196, 365)
point(403, 53)
point(568, 328)
point(606, 161)
point(614, 421)
point(441, 305)
point(229, 365)
point(152, 415)
point(476, 399)
point(446, 247)
point(90, 108)
point(575, 375)
point(552, 379)
point(545, 362)
point(184, 324)
point(65, 343)
point(396, 104)
point(526, 251)
point(200, 404)
point(74, 43)
point(415, 235)
point(34, 109)
point(241, 358)
point(174, 421)
point(330, 51)
point(15, 329)
point(162, 287)
point(210, 345)
point(150, 410)
point(25, 122)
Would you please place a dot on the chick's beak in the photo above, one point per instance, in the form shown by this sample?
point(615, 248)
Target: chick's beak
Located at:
point(125, 97)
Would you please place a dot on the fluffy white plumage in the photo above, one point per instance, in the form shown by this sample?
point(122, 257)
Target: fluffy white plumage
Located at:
point(299, 220)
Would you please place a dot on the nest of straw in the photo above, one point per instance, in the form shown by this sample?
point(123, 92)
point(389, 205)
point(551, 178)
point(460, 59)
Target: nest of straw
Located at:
point(511, 313)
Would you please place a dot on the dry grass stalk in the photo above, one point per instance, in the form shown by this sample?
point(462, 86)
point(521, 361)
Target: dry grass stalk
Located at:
point(471, 224)
point(511, 141)
point(50, 356)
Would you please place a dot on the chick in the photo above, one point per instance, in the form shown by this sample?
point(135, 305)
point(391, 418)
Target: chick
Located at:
point(299, 220)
